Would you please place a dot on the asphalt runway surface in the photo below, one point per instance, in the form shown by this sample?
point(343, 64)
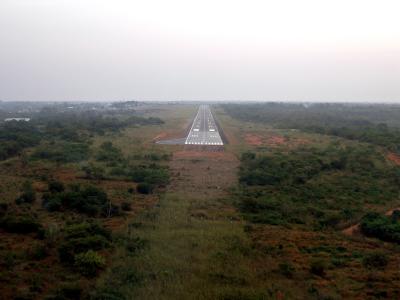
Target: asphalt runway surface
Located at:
point(204, 131)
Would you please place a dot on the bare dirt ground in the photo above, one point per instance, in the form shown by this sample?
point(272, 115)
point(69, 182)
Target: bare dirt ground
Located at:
point(253, 139)
point(395, 158)
point(273, 140)
point(204, 172)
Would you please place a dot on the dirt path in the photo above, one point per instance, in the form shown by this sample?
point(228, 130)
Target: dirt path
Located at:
point(355, 229)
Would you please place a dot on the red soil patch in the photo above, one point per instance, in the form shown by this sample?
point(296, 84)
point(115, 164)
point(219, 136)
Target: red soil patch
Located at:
point(253, 139)
point(221, 155)
point(276, 140)
point(390, 212)
point(393, 157)
point(65, 175)
point(352, 230)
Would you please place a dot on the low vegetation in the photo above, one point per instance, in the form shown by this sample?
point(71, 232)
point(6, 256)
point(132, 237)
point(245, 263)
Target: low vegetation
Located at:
point(320, 210)
point(375, 124)
point(386, 228)
point(63, 178)
point(313, 186)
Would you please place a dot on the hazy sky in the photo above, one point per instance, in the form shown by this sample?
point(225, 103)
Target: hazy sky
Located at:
point(341, 50)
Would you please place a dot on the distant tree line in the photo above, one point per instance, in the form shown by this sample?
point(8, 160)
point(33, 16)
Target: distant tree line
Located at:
point(375, 124)
point(68, 127)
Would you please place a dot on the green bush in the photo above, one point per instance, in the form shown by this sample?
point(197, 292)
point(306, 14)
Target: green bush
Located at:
point(89, 200)
point(375, 260)
point(299, 187)
point(126, 206)
point(89, 263)
point(381, 226)
point(37, 252)
point(109, 153)
point(28, 194)
point(51, 202)
point(82, 237)
point(3, 208)
point(144, 188)
point(55, 186)
point(318, 267)
point(152, 174)
point(107, 292)
point(286, 269)
point(65, 152)
point(133, 245)
point(84, 229)
point(94, 172)
point(20, 224)
point(68, 290)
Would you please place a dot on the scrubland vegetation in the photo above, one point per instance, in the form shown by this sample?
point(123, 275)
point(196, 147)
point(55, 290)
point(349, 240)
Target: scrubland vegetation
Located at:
point(375, 124)
point(64, 197)
point(326, 204)
point(301, 204)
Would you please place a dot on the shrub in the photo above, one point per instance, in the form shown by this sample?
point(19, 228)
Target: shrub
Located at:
point(126, 206)
point(85, 229)
point(375, 260)
point(107, 292)
point(286, 269)
point(51, 203)
point(109, 153)
point(20, 224)
point(69, 290)
point(144, 188)
point(94, 172)
point(317, 267)
point(89, 200)
point(89, 263)
point(152, 174)
point(37, 252)
point(248, 156)
point(9, 259)
point(381, 227)
point(81, 238)
point(56, 186)
point(67, 250)
point(135, 244)
point(3, 208)
point(110, 210)
point(63, 152)
point(28, 194)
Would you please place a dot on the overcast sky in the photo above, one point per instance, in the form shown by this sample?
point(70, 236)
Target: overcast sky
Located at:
point(305, 50)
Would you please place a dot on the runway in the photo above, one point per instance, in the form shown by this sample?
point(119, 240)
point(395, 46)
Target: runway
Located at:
point(204, 131)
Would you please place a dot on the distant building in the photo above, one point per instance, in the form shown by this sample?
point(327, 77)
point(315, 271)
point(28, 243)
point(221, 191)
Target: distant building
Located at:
point(17, 119)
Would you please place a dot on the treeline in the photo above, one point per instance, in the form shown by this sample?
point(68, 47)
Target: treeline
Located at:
point(69, 128)
point(376, 124)
point(65, 124)
point(319, 188)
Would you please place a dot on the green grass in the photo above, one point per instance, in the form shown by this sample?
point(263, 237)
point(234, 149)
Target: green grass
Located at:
point(188, 257)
